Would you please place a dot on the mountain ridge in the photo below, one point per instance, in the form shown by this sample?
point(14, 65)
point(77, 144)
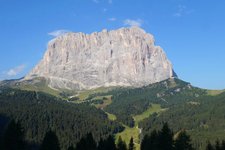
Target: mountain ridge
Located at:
point(123, 57)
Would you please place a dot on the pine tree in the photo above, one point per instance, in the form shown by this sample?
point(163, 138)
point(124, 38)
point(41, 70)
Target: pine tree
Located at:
point(223, 145)
point(121, 145)
point(145, 143)
point(101, 144)
point(91, 142)
point(209, 146)
point(50, 141)
point(13, 138)
point(183, 142)
point(110, 143)
point(81, 145)
point(107, 144)
point(151, 142)
point(86, 143)
point(217, 146)
point(166, 138)
point(131, 144)
point(71, 148)
point(154, 140)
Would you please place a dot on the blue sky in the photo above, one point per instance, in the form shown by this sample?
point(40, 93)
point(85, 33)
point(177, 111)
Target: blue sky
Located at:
point(191, 32)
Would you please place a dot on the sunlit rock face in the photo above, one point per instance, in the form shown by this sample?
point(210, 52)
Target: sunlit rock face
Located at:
point(123, 57)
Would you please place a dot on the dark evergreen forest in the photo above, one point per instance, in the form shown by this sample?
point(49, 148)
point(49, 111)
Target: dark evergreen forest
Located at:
point(39, 113)
point(164, 139)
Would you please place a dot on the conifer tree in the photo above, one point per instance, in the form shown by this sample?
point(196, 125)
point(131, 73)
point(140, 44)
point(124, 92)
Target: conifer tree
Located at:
point(209, 146)
point(13, 138)
point(217, 146)
point(183, 142)
point(145, 143)
point(110, 143)
point(154, 140)
point(131, 144)
point(86, 143)
point(121, 145)
point(71, 148)
point(223, 145)
point(165, 138)
point(50, 141)
point(101, 144)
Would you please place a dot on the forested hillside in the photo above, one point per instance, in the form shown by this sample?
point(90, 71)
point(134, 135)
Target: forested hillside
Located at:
point(137, 110)
point(203, 118)
point(39, 113)
point(132, 101)
point(184, 107)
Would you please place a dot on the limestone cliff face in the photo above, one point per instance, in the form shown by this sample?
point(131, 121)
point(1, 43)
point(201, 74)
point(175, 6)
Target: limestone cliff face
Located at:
point(123, 57)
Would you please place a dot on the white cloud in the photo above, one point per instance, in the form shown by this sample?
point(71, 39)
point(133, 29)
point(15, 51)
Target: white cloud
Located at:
point(15, 71)
point(182, 10)
point(129, 22)
point(112, 19)
point(58, 32)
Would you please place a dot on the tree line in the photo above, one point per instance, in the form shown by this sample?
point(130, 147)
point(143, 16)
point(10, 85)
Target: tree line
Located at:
point(14, 139)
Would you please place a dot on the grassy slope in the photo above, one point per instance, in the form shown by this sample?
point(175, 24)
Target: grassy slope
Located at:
point(85, 94)
point(106, 101)
point(215, 92)
point(135, 131)
point(128, 133)
point(40, 88)
point(111, 116)
point(38, 84)
point(155, 108)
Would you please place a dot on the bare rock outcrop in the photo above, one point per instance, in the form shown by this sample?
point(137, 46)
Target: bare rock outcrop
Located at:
point(123, 57)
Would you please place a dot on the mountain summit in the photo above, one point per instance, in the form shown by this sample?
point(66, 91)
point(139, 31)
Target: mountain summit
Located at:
point(123, 57)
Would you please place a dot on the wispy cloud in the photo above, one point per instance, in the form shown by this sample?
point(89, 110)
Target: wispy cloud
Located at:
point(182, 10)
point(16, 70)
point(112, 19)
point(130, 22)
point(58, 32)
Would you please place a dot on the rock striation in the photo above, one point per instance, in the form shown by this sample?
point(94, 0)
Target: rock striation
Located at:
point(123, 57)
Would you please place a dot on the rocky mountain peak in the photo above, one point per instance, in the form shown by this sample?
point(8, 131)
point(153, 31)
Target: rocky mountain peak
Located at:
point(123, 57)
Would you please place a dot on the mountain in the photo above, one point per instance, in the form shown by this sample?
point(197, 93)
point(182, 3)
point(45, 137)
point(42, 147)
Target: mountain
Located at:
point(112, 82)
point(123, 57)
